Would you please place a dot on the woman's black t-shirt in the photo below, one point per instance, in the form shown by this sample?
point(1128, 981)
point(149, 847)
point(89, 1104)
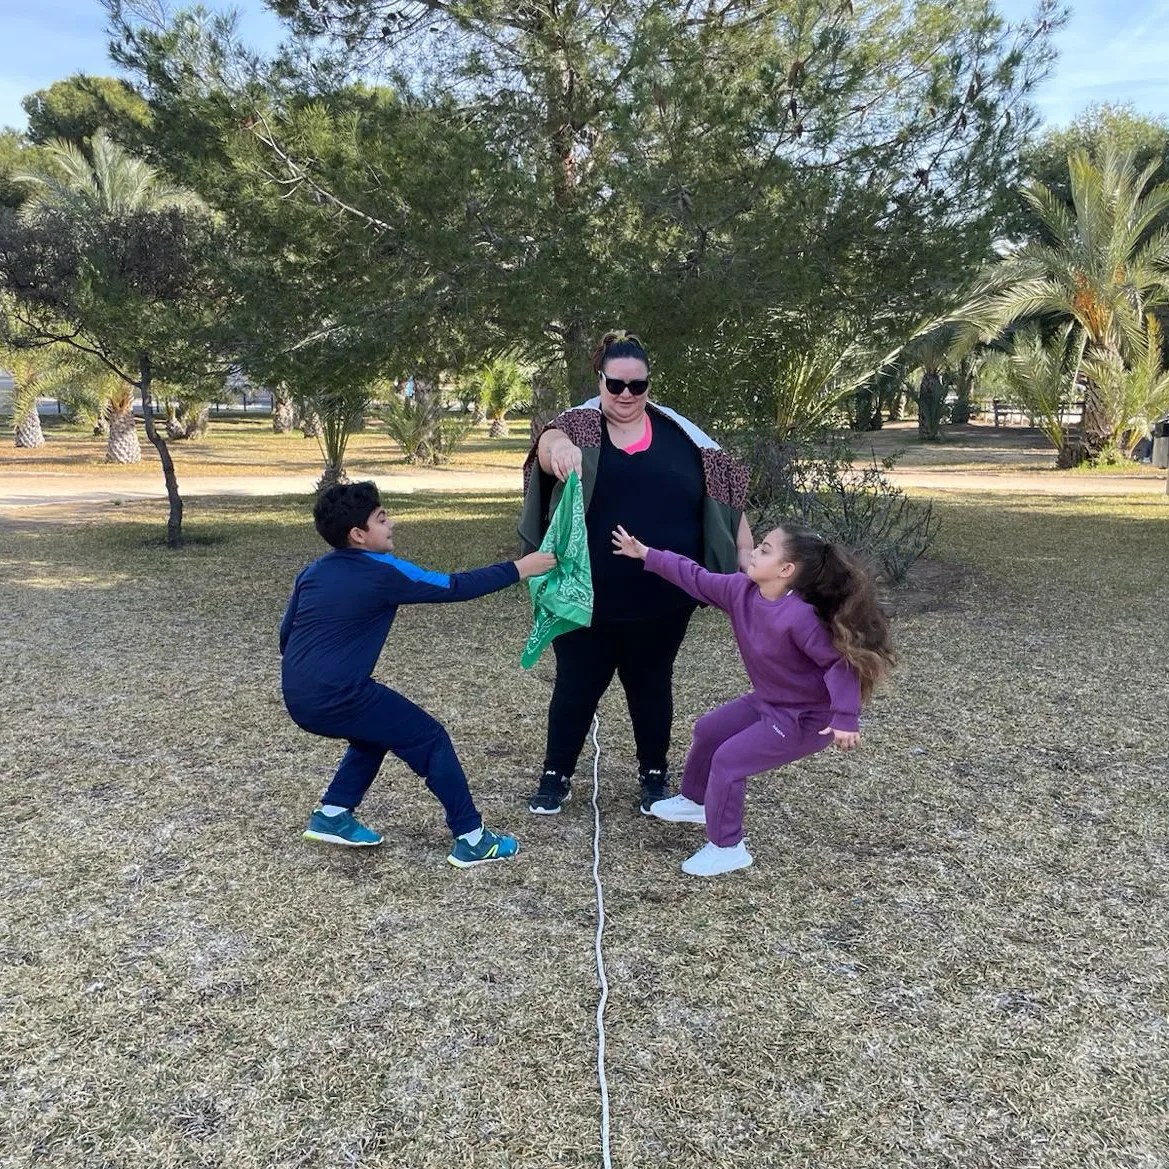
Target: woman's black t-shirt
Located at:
point(655, 495)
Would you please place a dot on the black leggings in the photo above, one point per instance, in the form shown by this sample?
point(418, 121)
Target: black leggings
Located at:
point(641, 654)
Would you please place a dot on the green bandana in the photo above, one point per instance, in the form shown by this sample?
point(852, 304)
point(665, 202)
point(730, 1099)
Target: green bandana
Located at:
point(562, 600)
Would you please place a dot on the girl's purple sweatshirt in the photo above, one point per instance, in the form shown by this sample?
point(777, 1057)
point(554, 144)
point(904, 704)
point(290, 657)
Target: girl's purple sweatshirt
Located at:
point(786, 648)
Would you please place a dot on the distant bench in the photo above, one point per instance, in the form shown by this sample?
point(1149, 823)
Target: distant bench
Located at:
point(1070, 413)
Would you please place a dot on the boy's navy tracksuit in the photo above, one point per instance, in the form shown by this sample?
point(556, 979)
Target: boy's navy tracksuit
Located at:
point(337, 621)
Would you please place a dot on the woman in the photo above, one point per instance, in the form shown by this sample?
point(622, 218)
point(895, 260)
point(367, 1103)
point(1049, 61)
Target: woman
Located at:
point(656, 474)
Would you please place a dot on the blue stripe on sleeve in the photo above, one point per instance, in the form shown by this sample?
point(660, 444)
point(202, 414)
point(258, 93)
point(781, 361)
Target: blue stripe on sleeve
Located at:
point(412, 571)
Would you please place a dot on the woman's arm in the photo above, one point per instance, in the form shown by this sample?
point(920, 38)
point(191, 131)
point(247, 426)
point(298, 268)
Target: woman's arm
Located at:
point(745, 542)
point(558, 454)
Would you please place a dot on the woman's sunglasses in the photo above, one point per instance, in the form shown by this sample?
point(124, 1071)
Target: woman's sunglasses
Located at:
point(637, 387)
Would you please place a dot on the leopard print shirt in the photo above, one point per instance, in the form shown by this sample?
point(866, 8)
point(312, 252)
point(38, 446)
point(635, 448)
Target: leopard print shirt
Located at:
point(726, 478)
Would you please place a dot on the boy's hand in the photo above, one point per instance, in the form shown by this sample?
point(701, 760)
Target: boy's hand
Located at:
point(626, 545)
point(535, 564)
point(845, 740)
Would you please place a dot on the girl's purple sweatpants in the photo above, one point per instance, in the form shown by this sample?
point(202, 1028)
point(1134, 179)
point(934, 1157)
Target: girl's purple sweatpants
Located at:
point(738, 740)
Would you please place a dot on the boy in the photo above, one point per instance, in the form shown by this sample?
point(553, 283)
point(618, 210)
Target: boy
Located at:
point(337, 621)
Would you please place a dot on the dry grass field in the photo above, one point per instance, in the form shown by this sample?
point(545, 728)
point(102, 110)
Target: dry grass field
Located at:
point(949, 955)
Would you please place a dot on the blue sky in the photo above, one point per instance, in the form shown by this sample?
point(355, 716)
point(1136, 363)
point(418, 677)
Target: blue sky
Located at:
point(1113, 50)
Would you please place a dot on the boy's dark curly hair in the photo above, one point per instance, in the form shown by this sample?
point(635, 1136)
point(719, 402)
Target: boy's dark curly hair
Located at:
point(344, 506)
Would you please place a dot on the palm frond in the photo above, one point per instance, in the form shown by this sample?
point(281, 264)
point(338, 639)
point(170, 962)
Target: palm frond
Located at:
point(112, 182)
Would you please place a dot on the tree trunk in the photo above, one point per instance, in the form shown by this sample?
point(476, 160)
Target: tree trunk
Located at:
point(578, 364)
point(1070, 453)
point(310, 425)
point(931, 405)
point(547, 402)
point(429, 450)
point(1092, 437)
point(866, 410)
point(498, 428)
point(174, 523)
point(123, 446)
point(329, 476)
point(28, 429)
point(283, 414)
point(195, 422)
point(964, 389)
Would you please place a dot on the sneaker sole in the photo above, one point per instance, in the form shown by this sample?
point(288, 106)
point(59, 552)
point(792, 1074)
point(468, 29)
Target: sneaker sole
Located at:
point(646, 812)
point(678, 819)
point(549, 811)
point(487, 860)
point(329, 838)
point(719, 872)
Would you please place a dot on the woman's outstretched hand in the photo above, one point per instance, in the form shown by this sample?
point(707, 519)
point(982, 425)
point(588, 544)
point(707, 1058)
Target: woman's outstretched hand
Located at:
point(564, 456)
point(626, 545)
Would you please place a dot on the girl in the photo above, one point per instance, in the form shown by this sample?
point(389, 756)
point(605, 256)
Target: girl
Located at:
point(814, 642)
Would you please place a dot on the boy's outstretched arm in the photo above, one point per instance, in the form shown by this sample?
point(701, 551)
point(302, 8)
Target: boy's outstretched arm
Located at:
point(713, 588)
point(410, 584)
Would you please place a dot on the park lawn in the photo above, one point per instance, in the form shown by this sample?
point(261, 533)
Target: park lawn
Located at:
point(982, 448)
point(950, 951)
point(246, 445)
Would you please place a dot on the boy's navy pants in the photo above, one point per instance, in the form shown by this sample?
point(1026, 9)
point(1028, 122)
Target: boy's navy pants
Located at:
point(377, 720)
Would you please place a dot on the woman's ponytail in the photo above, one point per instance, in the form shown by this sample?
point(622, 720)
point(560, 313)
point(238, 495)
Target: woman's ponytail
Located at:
point(618, 343)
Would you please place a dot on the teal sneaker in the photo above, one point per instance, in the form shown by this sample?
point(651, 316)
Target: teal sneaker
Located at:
point(344, 829)
point(492, 846)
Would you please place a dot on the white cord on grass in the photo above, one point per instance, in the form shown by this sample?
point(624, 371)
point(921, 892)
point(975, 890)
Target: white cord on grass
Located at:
point(606, 1156)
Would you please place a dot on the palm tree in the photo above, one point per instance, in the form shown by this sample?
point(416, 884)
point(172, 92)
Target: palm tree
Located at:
point(122, 445)
point(37, 372)
point(1134, 388)
point(809, 384)
point(931, 352)
point(1038, 371)
point(503, 384)
point(90, 188)
point(1104, 269)
point(108, 181)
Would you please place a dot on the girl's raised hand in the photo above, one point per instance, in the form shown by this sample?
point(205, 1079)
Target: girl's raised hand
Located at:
point(626, 545)
point(845, 740)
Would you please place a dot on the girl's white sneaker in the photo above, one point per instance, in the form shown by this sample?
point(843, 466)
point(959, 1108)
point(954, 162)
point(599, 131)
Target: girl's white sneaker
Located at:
point(678, 810)
point(712, 861)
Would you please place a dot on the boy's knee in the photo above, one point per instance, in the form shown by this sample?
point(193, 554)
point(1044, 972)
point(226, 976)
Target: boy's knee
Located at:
point(440, 740)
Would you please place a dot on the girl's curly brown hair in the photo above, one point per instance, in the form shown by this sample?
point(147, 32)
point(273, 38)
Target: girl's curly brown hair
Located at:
point(841, 591)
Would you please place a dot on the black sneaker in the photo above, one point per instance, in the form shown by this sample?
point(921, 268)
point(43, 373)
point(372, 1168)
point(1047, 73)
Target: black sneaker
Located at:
point(555, 791)
point(655, 785)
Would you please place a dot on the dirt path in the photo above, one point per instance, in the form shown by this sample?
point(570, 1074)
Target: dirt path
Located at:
point(22, 491)
point(1024, 483)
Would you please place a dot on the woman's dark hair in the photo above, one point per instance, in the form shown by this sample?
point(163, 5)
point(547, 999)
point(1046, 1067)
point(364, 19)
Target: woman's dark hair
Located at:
point(837, 586)
point(618, 343)
point(344, 506)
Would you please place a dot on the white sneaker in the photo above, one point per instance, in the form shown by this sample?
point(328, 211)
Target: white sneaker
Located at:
point(679, 810)
point(712, 861)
